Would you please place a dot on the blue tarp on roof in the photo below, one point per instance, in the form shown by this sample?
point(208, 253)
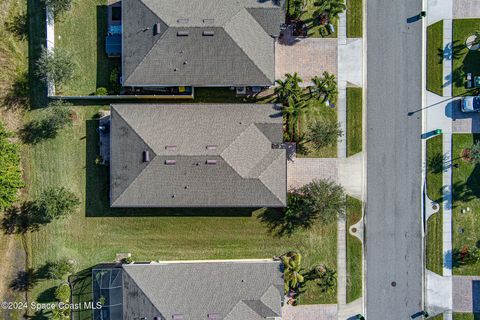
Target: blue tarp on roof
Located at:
point(113, 45)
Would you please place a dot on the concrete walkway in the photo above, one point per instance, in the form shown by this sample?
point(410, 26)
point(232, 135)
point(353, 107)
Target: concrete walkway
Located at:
point(439, 116)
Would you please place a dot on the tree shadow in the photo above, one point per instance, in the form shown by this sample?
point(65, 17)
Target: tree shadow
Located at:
point(97, 200)
point(38, 130)
point(22, 219)
point(24, 281)
point(105, 65)
point(469, 65)
point(18, 95)
point(18, 26)
point(281, 224)
point(47, 295)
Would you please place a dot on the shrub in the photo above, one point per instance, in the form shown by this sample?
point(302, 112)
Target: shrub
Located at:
point(324, 133)
point(101, 91)
point(55, 203)
point(127, 260)
point(115, 81)
point(59, 6)
point(474, 153)
point(60, 269)
point(62, 293)
point(55, 66)
point(10, 173)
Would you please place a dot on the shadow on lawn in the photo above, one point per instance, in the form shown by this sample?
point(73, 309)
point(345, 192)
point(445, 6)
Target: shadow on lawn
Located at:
point(105, 65)
point(97, 203)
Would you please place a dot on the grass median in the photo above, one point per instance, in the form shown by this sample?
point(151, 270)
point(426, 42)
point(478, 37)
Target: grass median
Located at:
point(354, 252)
point(435, 58)
point(354, 133)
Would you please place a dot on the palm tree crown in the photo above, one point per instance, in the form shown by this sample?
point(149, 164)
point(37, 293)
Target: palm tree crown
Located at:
point(332, 8)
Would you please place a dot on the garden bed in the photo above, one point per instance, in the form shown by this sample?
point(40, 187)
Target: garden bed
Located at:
point(434, 237)
point(96, 232)
point(466, 194)
point(435, 58)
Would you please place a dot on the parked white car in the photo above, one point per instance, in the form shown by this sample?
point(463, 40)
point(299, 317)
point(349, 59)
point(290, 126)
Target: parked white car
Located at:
point(471, 104)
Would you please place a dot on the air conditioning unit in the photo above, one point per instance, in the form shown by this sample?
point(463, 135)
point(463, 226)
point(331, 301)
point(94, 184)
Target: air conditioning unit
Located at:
point(241, 91)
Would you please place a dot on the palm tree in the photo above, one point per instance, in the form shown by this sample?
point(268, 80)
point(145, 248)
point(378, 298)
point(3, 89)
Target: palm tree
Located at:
point(324, 88)
point(331, 8)
point(294, 109)
point(289, 86)
point(293, 278)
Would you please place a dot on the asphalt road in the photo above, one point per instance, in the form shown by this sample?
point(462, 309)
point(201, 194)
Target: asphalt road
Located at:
point(393, 212)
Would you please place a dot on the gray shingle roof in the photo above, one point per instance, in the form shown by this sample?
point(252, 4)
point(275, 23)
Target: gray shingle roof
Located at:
point(241, 51)
point(232, 290)
point(247, 172)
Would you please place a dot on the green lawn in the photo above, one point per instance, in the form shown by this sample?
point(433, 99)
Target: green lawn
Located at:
point(82, 32)
point(308, 17)
point(354, 252)
point(354, 18)
point(464, 60)
point(354, 121)
point(435, 58)
point(318, 111)
point(434, 239)
point(466, 192)
point(466, 316)
point(96, 233)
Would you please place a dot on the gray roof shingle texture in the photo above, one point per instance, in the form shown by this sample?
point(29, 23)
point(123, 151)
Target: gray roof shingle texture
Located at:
point(231, 290)
point(248, 171)
point(240, 52)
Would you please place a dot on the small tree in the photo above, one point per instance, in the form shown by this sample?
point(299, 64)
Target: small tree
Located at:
point(55, 203)
point(474, 153)
point(325, 277)
point(323, 133)
point(330, 8)
point(55, 66)
point(60, 269)
point(323, 199)
point(54, 118)
point(292, 267)
point(10, 172)
point(60, 314)
point(62, 293)
point(58, 7)
point(324, 88)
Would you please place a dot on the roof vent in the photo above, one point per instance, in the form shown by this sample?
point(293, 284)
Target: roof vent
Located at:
point(182, 33)
point(209, 21)
point(170, 162)
point(146, 156)
point(211, 147)
point(211, 161)
point(171, 148)
point(182, 20)
point(157, 28)
point(214, 316)
point(208, 33)
point(178, 317)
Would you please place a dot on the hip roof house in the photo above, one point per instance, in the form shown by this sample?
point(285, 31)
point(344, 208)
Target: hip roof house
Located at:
point(192, 155)
point(215, 290)
point(199, 43)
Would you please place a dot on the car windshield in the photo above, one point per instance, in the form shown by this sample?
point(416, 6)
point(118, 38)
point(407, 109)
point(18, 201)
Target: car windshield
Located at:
point(476, 103)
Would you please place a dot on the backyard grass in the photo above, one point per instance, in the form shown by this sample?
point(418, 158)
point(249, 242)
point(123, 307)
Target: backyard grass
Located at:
point(82, 32)
point(464, 60)
point(354, 252)
point(434, 239)
point(435, 58)
point(96, 233)
point(317, 112)
point(354, 121)
point(354, 18)
point(466, 192)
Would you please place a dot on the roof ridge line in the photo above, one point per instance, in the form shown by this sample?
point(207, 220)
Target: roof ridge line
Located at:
point(141, 289)
point(141, 138)
point(261, 175)
point(246, 54)
point(154, 44)
point(233, 141)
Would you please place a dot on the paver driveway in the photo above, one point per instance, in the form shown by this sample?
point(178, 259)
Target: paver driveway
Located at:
point(308, 57)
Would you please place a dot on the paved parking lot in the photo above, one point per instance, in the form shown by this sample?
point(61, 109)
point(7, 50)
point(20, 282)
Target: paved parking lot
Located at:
point(308, 57)
point(466, 9)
